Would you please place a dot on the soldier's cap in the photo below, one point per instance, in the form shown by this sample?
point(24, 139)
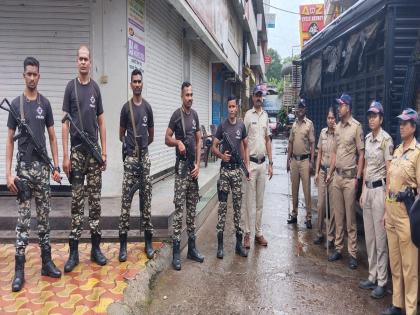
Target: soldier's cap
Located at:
point(259, 89)
point(344, 99)
point(302, 103)
point(376, 107)
point(409, 114)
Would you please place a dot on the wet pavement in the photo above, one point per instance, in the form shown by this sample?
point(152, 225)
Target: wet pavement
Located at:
point(290, 276)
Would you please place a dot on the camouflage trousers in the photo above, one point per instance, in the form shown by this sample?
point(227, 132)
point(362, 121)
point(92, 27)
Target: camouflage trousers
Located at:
point(186, 195)
point(35, 177)
point(132, 175)
point(84, 165)
point(229, 180)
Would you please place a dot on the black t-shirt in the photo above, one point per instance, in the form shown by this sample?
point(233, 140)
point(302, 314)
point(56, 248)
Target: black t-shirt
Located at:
point(143, 118)
point(236, 133)
point(90, 102)
point(192, 125)
point(38, 115)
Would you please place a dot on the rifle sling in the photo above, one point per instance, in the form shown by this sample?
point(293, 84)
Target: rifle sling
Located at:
point(133, 123)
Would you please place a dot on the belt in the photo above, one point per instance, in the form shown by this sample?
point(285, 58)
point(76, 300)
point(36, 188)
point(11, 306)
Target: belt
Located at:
point(301, 157)
point(133, 153)
point(351, 173)
point(393, 197)
point(257, 160)
point(230, 166)
point(324, 168)
point(375, 184)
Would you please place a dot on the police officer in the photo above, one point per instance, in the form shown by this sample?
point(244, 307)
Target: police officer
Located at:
point(300, 160)
point(378, 154)
point(404, 172)
point(32, 171)
point(259, 140)
point(136, 132)
point(348, 143)
point(185, 125)
point(325, 143)
point(230, 174)
point(83, 102)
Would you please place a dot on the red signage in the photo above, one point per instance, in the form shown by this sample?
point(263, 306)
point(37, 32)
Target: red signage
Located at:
point(311, 21)
point(267, 59)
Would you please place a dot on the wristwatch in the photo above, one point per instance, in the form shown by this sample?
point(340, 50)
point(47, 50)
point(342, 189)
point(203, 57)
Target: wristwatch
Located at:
point(270, 163)
point(57, 168)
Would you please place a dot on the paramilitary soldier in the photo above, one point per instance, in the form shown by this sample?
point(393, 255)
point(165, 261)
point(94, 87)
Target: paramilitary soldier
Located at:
point(33, 172)
point(300, 161)
point(136, 132)
point(378, 154)
point(83, 102)
point(348, 143)
point(230, 173)
point(404, 176)
point(185, 124)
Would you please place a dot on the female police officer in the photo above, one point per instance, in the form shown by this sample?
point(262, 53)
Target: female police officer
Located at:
point(404, 172)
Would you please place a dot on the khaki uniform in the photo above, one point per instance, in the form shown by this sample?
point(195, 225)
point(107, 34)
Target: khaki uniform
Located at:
point(403, 254)
point(348, 138)
point(325, 144)
point(301, 136)
point(377, 152)
point(256, 125)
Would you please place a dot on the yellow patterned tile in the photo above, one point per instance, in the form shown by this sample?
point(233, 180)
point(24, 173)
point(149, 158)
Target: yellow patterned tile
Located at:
point(81, 310)
point(45, 295)
point(95, 294)
point(47, 308)
point(103, 305)
point(15, 307)
point(89, 284)
point(67, 290)
point(74, 298)
point(41, 285)
point(119, 288)
point(24, 311)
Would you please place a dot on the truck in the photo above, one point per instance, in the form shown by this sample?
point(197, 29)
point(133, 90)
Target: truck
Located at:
point(371, 52)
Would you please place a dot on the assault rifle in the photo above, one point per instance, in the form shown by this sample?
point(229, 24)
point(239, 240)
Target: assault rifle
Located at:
point(234, 153)
point(26, 131)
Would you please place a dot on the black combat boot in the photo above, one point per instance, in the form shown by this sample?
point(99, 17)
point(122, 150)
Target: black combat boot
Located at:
point(19, 277)
point(239, 249)
point(48, 267)
point(176, 256)
point(193, 253)
point(148, 244)
point(123, 247)
point(220, 245)
point(95, 253)
point(73, 260)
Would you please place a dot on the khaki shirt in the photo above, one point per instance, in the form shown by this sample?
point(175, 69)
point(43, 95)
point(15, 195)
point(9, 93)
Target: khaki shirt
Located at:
point(256, 125)
point(325, 144)
point(405, 167)
point(348, 138)
point(302, 136)
point(377, 151)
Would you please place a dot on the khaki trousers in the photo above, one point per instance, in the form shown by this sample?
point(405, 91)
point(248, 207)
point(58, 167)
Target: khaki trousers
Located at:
point(300, 170)
point(375, 234)
point(403, 256)
point(344, 195)
point(322, 207)
point(255, 195)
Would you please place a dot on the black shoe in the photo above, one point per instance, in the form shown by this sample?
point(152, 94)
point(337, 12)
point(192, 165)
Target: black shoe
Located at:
point(319, 240)
point(73, 260)
point(379, 292)
point(308, 224)
point(122, 256)
point(19, 278)
point(220, 245)
point(353, 263)
point(176, 255)
point(239, 249)
point(392, 310)
point(367, 285)
point(48, 267)
point(292, 220)
point(335, 256)
point(193, 253)
point(95, 253)
point(148, 244)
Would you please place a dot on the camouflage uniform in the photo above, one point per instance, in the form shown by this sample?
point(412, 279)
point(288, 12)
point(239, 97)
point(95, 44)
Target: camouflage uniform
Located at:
point(132, 176)
point(230, 180)
point(83, 164)
point(36, 175)
point(186, 193)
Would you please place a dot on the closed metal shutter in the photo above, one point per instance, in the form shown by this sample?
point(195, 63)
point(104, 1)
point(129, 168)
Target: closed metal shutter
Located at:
point(200, 80)
point(163, 75)
point(50, 31)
